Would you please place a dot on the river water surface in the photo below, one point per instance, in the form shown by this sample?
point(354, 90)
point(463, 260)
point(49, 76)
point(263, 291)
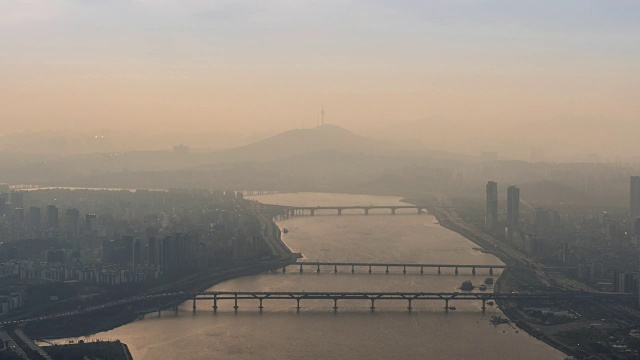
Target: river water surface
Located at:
point(353, 331)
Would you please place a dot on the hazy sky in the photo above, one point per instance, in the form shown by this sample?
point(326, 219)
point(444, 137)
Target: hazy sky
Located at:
point(243, 65)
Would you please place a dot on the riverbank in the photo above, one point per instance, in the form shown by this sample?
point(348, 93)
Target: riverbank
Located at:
point(511, 312)
point(113, 350)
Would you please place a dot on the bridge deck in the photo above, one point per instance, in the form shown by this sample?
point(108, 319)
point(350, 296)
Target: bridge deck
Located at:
point(328, 263)
point(288, 295)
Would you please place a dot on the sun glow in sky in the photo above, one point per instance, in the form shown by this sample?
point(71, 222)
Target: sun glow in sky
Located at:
point(269, 64)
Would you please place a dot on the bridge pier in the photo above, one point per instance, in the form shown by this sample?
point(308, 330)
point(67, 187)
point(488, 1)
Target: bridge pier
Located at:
point(335, 269)
point(318, 269)
point(404, 270)
point(409, 307)
point(366, 211)
point(439, 272)
point(419, 210)
point(335, 304)
point(456, 270)
point(369, 269)
point(301, 268)
point(484, 306)
point(473, 271)
point(446, 305)
point(373, 306)
point(339, 212)
point(313, 212)
point(260, 306)
point(353, 270)
point(421, 270)
point(235, 300)
point(284, 269)
point(393, 211)
point(194, 304)
point(387, 269)
point(215, 302)
point(298, 304)
point(491, 271)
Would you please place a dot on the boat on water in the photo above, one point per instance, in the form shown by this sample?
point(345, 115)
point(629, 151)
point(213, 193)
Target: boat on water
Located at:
point(467, 285)
point(482, 287)
point(488, 281)
point(451, 307)
point(497, 320)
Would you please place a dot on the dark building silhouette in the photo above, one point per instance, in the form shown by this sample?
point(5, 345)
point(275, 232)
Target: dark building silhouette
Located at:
point(89, 220)
point(119, 251)
point(513, 206)
point(18, 215)
point(634, 201)
point(53, 221)
point(35, 216)
point(491, 209)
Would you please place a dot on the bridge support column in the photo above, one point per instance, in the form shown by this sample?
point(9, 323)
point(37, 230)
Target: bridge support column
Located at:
point(446, 305)
point(260, 306)
point(491, 271)
point(339, 212)
point(313, 212)
point(387, 269)
point(284, 269)
point(404, 269)
point(215, 302)
point(194, 304)
point(318, 269)
point(366, 211)
point(298, 304)
point(335, 304)
point(335, 269)
point(421, 270)
point(369, 269)
point(175, 309)
point(300, 268)
point(456, 271)
point(439, 272)
point(409, 307)
point(353, 270)
point(373, 305)
point(235, 301)
point(419, 210)
point(473, 271)
point(484, 306)
point(393, 211)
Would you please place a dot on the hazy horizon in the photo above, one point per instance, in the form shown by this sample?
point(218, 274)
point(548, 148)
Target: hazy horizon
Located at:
point(483, 75)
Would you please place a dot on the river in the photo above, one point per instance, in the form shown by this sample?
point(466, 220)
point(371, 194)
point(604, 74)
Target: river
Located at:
point(353, 331)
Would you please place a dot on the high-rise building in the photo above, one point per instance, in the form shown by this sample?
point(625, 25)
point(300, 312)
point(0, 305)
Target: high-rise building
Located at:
point(71, 222)
point(634, 201)
point(89, 221)
point(491, 209)
point(53, 221)
point(513, 206)
point(34, 216)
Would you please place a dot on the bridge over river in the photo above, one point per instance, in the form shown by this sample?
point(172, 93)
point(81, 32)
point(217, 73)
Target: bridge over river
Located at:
point(409, 297)
point(311, 210)
point(386, 266)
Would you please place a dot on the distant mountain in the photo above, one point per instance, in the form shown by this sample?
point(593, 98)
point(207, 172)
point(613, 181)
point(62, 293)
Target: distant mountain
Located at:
point(322, 138)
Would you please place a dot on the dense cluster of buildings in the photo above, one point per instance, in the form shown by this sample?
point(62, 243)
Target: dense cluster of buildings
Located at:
point(602, 248)
point(115, 238)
